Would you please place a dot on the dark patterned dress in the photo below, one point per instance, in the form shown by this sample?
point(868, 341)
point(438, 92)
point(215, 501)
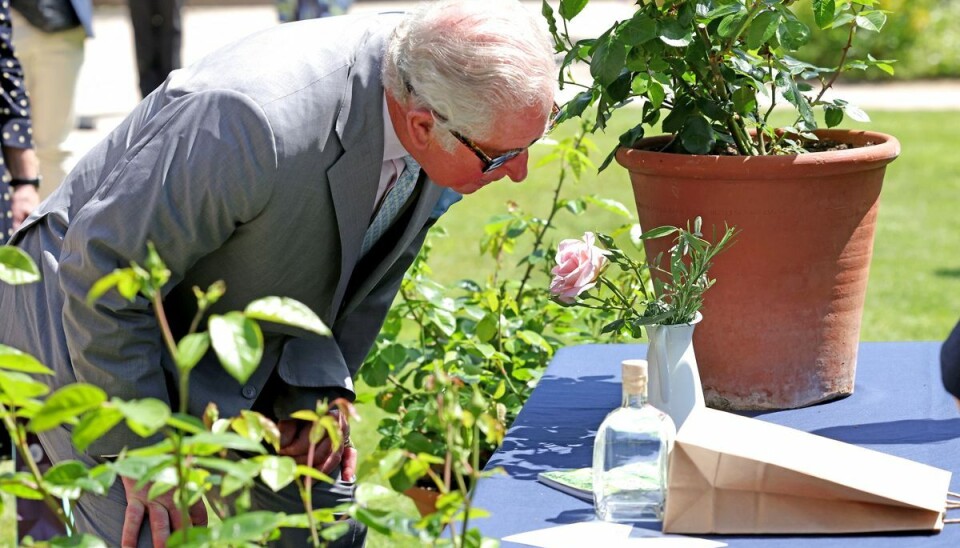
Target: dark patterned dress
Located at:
point(15, 130)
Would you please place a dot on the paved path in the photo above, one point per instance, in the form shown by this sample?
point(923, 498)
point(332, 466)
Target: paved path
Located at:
point(108, 88)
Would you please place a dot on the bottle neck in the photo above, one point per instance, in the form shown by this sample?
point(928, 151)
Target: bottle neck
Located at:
point(634, 399)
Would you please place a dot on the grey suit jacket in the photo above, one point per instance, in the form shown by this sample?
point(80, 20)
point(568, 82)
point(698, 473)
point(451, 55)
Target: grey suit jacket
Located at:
point(258, 165)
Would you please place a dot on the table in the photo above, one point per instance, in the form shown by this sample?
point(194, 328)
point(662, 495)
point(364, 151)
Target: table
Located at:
point(898, 407)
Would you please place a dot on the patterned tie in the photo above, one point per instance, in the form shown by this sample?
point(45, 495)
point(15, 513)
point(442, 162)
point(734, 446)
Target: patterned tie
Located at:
point(391, 204)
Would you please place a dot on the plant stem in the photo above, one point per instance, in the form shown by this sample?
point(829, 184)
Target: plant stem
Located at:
point(475, 475)
point(308, 497)
point(184, 393)
point(843, 58)
point(554, 209)
point(19, 436)
point(723, 95)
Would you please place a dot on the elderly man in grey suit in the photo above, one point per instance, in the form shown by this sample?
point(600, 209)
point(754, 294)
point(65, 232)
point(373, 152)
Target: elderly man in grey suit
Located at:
point(264, 165)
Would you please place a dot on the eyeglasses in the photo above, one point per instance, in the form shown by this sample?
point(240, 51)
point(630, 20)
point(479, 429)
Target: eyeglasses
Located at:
point(490, 164)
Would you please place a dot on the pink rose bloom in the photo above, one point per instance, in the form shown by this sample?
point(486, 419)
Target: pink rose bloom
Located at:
point(579, 263)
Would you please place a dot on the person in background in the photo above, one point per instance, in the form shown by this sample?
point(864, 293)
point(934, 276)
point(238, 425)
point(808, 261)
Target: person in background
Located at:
point(50, 45)
point(158, 38)
point(950, 363)
point(299, 10)
point(307, 161)
point(19, 179)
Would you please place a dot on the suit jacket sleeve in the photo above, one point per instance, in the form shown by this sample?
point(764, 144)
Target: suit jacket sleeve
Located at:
point(950, 362)
point(190, 177)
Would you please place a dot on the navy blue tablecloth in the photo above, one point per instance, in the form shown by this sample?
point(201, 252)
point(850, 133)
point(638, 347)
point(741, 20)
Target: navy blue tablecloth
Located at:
point(898, 407)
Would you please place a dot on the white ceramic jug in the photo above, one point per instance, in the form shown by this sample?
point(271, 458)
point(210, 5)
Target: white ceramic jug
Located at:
point(675, 385)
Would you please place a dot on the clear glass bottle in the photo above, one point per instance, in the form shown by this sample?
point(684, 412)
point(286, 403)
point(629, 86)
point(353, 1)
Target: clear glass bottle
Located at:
point(630, 454)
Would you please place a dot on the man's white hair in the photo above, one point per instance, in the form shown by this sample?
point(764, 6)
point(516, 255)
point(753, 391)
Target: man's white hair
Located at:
point(470, 62)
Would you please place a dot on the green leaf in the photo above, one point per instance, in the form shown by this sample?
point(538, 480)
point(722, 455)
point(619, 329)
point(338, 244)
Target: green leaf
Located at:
point(190, 349)
point(613, 206)
point(251, 526)
point(144, 416)
point(378, 520)
point(20, 387)
point(656, 93)
point(674, 34)
point(242, 469)
point(391, 463)
point(872, 21)
point(238, 342)
point(65, 405)
point(334, 531)
point(745, 99)
point(570, 8)
point(793, 34)
point(638, 30)
point(286, 311)
point(16, 267)
point(856, 113)
point(578, 104)
point(15, 360)
point(832, 115)
point(21, 485)
point(277, 472)
point(444, 320)
point(80, 540)
point(608, 60)
point(65, 473)
point(658, 232)
point(730, 24)
point(208, 443)
point(310, 472)
point(535, 339)
point(159, 488)
point(547, 12)
point(93, 425)
point(186, 423)
point(125, 280)
point(762, 28)
point(697, 136)
point(137, 467)
point(823, 12)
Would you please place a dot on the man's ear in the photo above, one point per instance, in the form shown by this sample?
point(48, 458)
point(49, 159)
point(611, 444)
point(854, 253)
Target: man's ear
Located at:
point(420, 123)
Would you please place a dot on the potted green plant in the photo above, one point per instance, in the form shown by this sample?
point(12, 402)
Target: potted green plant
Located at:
point(782, 330)
point(642, 295)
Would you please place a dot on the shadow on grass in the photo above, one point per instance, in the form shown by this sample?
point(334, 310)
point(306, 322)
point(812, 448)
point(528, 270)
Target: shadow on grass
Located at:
point(947, 272)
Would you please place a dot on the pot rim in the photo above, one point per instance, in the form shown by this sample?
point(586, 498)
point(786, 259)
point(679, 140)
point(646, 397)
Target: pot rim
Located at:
point(812, 164)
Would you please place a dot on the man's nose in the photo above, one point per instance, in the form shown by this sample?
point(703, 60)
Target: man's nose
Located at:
point(516, 168)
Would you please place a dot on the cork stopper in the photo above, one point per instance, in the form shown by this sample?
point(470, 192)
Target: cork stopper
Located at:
point(634, 374)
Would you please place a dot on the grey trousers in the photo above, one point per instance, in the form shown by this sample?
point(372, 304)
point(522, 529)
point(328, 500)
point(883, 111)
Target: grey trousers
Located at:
point(103, 516)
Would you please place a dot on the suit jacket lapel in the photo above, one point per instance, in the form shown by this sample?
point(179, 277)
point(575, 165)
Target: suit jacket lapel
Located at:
point(354, 177)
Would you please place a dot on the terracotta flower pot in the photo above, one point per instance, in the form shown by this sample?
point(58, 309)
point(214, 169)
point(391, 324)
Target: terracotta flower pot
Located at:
point(424, 499)
point(782, 323)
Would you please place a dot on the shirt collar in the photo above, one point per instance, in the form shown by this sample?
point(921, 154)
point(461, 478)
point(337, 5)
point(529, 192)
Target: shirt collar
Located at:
point(392, 149)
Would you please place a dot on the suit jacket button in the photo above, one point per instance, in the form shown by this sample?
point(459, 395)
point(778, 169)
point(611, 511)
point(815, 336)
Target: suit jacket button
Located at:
point(249, 392)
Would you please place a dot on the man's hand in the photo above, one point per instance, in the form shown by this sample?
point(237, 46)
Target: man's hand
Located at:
point(24, 200)
point(295, 442)
point(162, 513)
